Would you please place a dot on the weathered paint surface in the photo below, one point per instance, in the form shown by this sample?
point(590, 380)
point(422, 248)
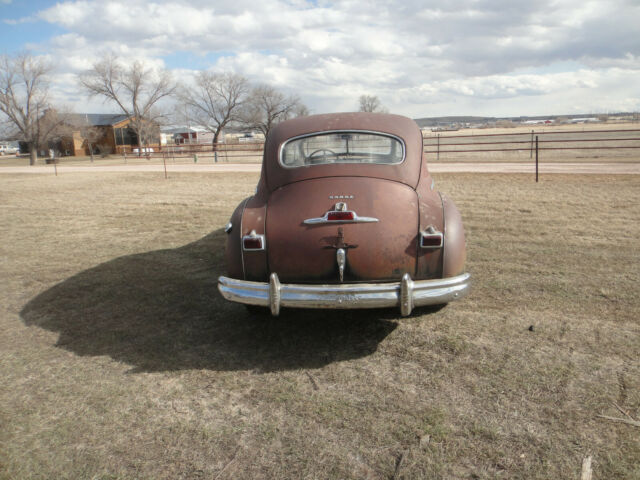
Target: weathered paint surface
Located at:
point(400, 196)
point(383, 250)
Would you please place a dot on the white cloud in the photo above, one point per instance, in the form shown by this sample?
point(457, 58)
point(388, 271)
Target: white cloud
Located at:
point(18, 21)
point(421, 58)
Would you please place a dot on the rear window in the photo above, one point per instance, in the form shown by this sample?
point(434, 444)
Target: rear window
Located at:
point(342, 147)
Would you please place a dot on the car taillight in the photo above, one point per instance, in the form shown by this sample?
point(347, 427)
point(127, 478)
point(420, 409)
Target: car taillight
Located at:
point(340, 214)
point(431, 238)
point(335, 216)
point(253, 241)
point(252, 244)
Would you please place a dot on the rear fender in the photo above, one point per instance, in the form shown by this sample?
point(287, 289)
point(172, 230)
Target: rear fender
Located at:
point(253, 219)
point(235, 268)
point(454, 242)
point(429, 263)
point(248, 265)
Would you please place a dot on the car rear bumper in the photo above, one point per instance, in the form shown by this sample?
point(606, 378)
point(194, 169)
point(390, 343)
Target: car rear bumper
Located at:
point(405, 294)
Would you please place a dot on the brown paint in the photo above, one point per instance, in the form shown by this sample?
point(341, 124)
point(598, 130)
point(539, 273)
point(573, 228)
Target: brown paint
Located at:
point(380, 251)
point(454, 241)
point(400, 196)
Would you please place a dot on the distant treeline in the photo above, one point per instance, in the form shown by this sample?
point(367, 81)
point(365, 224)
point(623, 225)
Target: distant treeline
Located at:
point(435, 121)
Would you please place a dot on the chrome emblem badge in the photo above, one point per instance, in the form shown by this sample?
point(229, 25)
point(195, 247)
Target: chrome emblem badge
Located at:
point(341, 248)
point(341, 258)
point(340, 197)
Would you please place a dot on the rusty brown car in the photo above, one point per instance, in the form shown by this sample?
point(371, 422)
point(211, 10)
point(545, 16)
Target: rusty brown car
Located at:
point(345, 215)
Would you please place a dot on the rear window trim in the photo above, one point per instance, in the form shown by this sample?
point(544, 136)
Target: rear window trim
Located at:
point(326, 132)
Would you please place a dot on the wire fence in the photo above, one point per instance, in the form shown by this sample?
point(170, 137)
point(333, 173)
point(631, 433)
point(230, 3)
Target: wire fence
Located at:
point(617, 145)
point(196, 153)
point(621, 144)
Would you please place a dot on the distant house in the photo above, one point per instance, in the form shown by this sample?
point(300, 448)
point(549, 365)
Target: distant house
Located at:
point(543, 121)
point(584, 120)
point(103, 132)
point(180, 135)
point(234, 135)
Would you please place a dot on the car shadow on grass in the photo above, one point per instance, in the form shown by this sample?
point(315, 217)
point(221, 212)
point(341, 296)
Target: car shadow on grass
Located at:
point(161, 311)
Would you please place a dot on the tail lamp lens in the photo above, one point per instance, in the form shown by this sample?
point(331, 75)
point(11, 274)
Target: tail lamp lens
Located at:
point(340, 216)
point(431, 240)
point(253, 242)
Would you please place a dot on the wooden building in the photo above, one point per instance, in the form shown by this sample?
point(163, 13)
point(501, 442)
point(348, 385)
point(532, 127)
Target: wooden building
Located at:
point(104, 133)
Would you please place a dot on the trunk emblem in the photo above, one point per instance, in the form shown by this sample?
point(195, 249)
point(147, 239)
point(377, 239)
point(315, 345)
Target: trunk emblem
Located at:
point(341, 252)
point(340, 243)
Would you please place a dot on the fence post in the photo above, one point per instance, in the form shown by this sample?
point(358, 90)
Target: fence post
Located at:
point(531, 149)
point(536, 159)
point(164, 161)
point(438, 154)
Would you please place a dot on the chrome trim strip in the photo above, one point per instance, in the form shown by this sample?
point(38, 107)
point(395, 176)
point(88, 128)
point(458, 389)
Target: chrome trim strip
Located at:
point(354, 295)
point(325, 219)
point(244, 206)
point(444, 232)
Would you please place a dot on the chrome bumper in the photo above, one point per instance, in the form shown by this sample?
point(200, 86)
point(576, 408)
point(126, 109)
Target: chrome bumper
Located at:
point(405, 294)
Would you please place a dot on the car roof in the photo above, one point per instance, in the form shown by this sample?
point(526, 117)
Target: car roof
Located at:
point(275, 175)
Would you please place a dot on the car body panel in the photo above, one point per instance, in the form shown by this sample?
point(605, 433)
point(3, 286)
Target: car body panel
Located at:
point(382, 250)
point(455, 253)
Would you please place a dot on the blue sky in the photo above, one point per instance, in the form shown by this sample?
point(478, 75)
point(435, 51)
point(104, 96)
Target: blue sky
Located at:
point(420, 57)
point(14, 37)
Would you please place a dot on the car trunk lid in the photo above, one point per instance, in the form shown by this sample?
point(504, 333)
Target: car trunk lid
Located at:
point(371, 223)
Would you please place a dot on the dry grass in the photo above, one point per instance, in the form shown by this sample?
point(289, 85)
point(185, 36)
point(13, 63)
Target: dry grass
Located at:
point(120, 360)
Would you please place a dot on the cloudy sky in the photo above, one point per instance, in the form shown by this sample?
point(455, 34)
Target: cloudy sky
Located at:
point(421, 58)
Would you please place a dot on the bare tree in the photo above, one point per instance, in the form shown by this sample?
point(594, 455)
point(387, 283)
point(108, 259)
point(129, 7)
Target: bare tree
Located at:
point(135, 89)
point(301, 110)
point(24, 102)
point(267, 106)
point(92, 135)
point(89, 133)
point(216, 101)
point(371, 103)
